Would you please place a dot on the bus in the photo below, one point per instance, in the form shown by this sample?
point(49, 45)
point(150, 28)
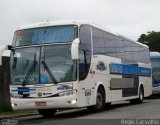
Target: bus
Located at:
point(75, 64)
point(155, 62)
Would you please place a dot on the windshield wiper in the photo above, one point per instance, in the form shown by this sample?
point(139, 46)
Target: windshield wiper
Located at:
point(30, 71)
point(48, 71)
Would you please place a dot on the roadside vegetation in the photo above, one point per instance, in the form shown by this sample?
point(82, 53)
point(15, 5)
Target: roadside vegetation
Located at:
point(152, 39)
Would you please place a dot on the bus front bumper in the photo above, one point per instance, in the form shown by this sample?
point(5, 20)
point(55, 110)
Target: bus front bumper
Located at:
point(45, 103)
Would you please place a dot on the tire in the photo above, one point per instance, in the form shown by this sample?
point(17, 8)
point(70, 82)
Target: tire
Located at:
point(140, 98)
point(100, 102)
point(47, 113)
point(108, 105)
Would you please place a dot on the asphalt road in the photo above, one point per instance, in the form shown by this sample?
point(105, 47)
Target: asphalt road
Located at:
point(150, 109)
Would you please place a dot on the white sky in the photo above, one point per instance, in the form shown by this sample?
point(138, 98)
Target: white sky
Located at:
point(130, 18)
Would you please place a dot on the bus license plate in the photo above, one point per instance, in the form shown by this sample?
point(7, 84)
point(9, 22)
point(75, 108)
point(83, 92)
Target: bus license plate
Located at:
point(40, 104)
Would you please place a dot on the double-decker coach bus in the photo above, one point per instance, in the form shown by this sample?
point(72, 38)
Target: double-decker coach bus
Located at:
point(74, 64)
point(155, 61)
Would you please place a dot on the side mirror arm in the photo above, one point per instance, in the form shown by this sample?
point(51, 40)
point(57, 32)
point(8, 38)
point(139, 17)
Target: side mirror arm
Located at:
point(10, 47)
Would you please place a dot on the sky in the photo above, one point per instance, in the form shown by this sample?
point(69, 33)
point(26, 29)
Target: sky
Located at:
point(129, 18)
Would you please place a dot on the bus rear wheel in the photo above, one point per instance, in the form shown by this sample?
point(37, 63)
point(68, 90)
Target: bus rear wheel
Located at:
point(140, 98)
point(100, 102)
point(47, 113)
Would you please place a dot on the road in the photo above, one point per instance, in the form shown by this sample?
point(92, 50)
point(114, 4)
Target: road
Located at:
point(150, 109)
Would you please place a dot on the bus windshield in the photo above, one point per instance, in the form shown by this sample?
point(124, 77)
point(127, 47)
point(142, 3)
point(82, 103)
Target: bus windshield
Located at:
point(42, 65)
point(156, 70)
point(34, 36)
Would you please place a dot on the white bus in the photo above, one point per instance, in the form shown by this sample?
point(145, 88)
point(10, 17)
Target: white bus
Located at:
point(155, 62)
point(74, 64)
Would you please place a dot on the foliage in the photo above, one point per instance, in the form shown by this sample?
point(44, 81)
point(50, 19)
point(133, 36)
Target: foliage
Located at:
point(152, 39)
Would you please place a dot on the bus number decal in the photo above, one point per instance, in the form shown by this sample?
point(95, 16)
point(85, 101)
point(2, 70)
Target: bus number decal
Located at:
point(87, 92)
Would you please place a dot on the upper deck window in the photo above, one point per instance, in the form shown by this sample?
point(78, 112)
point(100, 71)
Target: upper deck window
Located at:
point(65, 33)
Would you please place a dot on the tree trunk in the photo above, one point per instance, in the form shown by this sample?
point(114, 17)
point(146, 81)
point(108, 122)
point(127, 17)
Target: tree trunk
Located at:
point(5, 103)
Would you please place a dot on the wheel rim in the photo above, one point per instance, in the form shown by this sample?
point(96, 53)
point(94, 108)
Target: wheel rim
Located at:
point(99, 100)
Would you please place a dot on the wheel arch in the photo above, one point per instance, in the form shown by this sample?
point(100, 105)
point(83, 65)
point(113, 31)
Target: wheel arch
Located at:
point(99, 85)
point(141, 86)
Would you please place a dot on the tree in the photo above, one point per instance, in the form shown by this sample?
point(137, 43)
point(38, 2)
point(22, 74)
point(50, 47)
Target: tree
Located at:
point(5, 104)
point(152, 39)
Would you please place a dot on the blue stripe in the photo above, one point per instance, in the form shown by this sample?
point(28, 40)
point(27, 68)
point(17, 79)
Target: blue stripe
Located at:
point(156, 85)
point(23, 90)
point(155, 57)
point(129, 69)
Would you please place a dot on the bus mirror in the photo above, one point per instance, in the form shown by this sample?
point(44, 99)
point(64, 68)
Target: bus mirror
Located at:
point(10, 47)
point(75, 49)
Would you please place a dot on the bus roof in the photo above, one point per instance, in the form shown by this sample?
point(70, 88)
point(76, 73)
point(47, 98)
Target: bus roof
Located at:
point(75, 22)
point(154, 55)
point(53, 23)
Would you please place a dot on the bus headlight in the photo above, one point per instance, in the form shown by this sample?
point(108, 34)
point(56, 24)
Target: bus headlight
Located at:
point(13, 105)
point(68, 93)
point(73, 101)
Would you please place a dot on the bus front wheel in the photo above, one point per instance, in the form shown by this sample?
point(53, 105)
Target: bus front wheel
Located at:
point(47, 113)
point(100, 102)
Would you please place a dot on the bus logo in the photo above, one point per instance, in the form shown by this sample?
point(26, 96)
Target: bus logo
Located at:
point(101, 66)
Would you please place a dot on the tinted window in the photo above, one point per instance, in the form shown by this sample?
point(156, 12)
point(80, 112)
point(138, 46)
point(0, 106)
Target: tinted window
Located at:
point(98, 41)
point(44, 35)
point(118, 46)
point(85, 51)
point(155, 70)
